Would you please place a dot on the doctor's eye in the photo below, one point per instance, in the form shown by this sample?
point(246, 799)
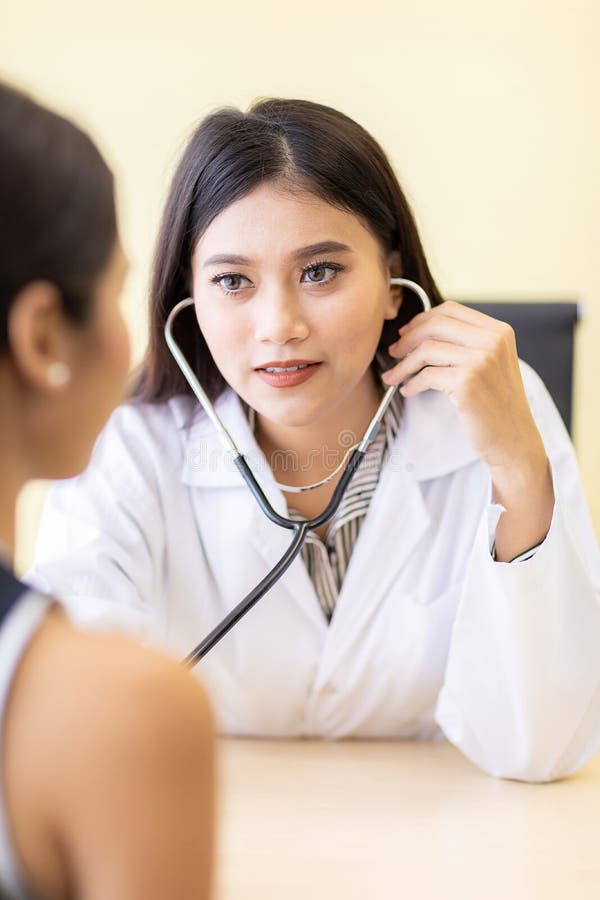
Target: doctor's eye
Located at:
point(231, 282)
point(320, 272)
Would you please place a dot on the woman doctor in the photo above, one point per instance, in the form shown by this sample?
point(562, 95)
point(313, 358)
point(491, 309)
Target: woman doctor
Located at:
point(456, 590)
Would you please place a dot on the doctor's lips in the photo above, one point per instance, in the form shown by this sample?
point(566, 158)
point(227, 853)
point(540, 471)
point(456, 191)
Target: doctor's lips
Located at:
point(287, 372)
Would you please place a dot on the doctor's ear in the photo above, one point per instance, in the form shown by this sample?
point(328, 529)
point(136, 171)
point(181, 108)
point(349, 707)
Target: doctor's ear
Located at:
point(394, 264)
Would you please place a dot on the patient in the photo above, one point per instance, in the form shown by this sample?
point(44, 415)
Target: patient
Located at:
point(106, 749)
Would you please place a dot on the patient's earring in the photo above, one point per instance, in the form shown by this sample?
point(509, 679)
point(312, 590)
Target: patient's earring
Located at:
point(59, 374)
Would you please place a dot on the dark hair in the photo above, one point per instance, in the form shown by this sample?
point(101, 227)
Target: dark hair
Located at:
point(229, 154)
point(57, 211)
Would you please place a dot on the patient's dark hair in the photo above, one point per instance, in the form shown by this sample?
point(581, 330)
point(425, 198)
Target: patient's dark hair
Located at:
point(57, 211)
point(306, 145)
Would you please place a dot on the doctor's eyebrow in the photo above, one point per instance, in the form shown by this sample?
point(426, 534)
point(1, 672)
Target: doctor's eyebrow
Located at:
point(234, 259)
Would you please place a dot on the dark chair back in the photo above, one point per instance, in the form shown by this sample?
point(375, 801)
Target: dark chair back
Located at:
point(545, 335)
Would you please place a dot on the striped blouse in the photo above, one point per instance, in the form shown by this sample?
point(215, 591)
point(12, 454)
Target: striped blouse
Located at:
point(327, 561)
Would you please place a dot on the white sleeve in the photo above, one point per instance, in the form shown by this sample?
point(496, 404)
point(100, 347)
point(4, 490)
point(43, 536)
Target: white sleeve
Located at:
point(101, 537)
point(521, 694)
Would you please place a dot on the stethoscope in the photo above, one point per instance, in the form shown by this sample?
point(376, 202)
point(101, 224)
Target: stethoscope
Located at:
point(300, 528)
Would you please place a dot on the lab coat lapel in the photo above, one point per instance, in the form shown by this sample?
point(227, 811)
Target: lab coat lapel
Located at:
point(242, 544)
point(396, 522)
point(271, 541)
point(429, 444)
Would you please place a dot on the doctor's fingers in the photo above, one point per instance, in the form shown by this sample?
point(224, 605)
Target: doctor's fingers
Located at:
point(446, 379)
point(444, 328)
point(450, 310)
point(438, 354)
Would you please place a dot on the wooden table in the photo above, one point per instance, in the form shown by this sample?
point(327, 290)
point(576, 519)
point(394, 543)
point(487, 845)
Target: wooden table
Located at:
point(377, 820)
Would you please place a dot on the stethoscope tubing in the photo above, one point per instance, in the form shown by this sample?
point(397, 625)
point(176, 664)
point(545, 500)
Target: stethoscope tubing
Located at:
point(299, 528)
point(239, 611)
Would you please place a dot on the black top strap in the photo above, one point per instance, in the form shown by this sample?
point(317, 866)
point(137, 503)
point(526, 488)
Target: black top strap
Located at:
point(11, 591)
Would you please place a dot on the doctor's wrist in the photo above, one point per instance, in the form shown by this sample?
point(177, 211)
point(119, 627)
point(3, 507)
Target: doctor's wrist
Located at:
point(528, 501)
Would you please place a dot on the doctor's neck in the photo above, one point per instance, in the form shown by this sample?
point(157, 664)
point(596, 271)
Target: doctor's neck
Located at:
point(298, 454)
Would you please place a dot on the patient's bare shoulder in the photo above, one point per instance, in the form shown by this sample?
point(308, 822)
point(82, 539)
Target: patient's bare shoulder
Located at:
point(109, 769)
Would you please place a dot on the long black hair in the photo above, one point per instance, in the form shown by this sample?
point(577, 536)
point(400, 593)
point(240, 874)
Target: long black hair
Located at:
point(230, 153)
point(57, 210)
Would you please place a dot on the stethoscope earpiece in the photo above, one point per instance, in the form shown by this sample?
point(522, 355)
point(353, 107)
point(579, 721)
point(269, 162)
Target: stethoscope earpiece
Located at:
point(416, 288)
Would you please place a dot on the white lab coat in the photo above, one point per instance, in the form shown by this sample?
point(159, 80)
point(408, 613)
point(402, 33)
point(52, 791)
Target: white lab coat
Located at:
point(430, 636)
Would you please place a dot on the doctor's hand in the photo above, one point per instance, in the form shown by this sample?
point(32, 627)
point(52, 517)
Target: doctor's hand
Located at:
point(472, 358)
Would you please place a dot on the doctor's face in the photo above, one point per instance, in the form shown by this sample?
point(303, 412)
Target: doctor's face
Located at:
point(283, 280)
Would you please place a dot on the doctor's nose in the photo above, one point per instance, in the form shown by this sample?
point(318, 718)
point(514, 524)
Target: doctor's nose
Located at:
point(280, 320)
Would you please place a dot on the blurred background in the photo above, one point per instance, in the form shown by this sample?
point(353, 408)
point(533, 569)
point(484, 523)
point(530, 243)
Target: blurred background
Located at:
point(489, 113)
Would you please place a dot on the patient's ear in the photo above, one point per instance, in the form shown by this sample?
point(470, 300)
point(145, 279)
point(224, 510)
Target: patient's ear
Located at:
point(38, 336)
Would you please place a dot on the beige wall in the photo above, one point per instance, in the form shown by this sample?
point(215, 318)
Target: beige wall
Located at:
point(489, 112)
